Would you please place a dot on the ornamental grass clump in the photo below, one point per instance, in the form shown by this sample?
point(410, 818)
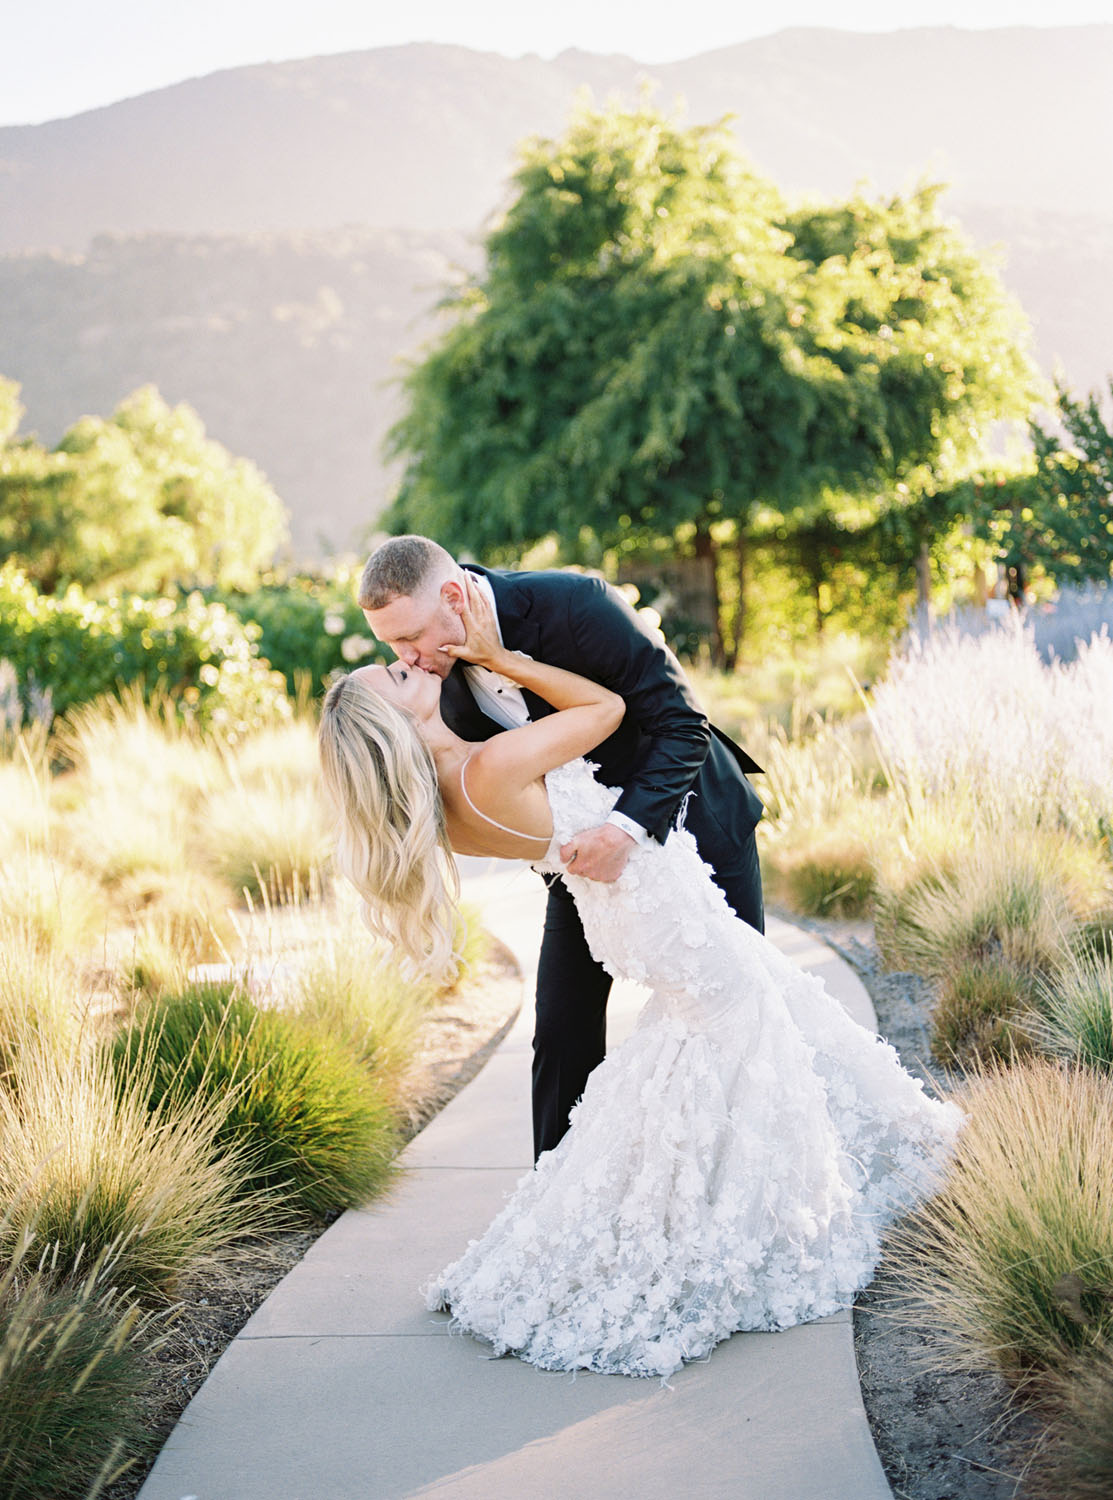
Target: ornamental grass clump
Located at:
point(828, 872)
point(265, 829)
point(980, 724)
point(821, 821)
point(987, 921)
point(315, 1126)
point(981, 1012)
point(88, 1168)
point(1077, 1461)
point(126, 833)
point(25, 814)
point(54, 907)
point(1018, 898)
point(350, 992)
point(1012, 1260)
point(42, 1002)
point(70, 1379)
point(173, 922)
point(117, 746)
point(1073, 1014)
point(811, 776)
point(266, 839)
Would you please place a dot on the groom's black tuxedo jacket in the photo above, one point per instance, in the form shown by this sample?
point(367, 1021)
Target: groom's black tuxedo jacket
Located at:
point(664, 747)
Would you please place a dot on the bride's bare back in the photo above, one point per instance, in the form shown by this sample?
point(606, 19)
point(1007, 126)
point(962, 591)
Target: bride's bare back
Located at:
point(487, 819)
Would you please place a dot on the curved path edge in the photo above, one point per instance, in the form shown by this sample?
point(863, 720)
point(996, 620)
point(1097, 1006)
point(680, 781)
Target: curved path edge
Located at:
point(342, 1387)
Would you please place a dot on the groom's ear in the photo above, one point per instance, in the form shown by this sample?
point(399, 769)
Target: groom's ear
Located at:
point(453, 595)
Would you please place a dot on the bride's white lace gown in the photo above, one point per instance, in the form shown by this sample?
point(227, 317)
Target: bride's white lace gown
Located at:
point(731, 1166)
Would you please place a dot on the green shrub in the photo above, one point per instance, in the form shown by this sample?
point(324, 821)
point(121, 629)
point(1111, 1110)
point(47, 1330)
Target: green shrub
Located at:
point(317, 1127)
point(89, 1169)
point(980, 1013)
point(200, 654)
point(70, 1379)
point(1012, 1260)
point(309, 628)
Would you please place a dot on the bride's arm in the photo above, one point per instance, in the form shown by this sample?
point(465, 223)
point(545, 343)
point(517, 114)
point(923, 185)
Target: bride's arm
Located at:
point(587, 712)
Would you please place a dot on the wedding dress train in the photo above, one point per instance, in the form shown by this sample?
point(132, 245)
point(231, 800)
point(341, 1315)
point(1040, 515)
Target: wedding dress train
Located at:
point(732, 1165)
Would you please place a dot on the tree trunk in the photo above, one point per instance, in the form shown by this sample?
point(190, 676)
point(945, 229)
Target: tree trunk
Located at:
point(738, 622)
point(708, 553)
point(923, 587)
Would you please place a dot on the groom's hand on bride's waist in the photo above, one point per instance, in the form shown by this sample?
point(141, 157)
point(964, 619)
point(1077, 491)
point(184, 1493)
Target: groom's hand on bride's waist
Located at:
point(598, 853)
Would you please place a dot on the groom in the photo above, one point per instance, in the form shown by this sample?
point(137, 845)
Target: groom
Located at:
point(666, 758)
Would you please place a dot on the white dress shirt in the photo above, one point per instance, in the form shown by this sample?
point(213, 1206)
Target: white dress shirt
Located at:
point(502, 700)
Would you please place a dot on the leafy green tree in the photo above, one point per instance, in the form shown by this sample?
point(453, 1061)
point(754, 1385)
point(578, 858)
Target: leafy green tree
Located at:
point(950, 359)
point(657, 345)
point(1051, 515)
point(140, 501)
point(234, 520)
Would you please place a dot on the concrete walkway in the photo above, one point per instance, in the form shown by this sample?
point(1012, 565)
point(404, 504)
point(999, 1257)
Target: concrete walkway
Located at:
point(342, 1386)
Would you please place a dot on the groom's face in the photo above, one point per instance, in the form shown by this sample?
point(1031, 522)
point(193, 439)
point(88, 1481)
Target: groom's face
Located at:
point(416, 626)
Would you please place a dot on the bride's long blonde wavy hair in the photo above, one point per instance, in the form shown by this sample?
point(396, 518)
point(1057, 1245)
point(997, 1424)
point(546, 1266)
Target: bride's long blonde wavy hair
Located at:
point(392, 843)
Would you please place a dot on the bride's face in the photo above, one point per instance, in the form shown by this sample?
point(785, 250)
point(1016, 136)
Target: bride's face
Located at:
point(415, 692)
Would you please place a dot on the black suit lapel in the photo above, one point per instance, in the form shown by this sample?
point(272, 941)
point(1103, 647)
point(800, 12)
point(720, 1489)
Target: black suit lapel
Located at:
point(521, 631)
point(461, 712)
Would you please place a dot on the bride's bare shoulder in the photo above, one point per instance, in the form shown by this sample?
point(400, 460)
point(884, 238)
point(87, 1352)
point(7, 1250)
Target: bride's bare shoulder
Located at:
point(496, 767)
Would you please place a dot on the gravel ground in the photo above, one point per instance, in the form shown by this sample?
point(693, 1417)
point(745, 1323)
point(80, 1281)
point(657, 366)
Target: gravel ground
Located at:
point(940, 1434)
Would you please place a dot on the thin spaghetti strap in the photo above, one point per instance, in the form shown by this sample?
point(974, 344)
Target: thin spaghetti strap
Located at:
point(537, 838)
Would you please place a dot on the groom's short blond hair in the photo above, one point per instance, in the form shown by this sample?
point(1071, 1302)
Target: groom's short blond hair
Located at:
point(401, 568)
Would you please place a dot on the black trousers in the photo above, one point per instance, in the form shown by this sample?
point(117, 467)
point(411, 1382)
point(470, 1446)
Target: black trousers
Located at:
point(572, 989)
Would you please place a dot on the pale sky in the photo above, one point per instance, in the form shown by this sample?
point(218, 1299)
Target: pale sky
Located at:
point(59, 57)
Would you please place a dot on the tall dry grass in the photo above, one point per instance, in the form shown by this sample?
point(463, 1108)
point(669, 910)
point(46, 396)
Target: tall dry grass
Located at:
point(87, 1169)
point(1077, 1461)
point(44, 1000)
point(25, 809)
point(981, 725)
point(50, 904)
point(1019, 896)
point(1012, 1260)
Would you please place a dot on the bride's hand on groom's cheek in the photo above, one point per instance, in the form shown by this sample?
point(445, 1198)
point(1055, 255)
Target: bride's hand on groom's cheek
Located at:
point(481, 636)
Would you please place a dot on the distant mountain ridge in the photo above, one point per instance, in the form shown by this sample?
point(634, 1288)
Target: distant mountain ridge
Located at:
point(422, 136)
point(267, 241)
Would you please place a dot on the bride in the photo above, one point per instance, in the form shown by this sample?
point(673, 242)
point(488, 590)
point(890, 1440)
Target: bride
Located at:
point(734, 1164)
